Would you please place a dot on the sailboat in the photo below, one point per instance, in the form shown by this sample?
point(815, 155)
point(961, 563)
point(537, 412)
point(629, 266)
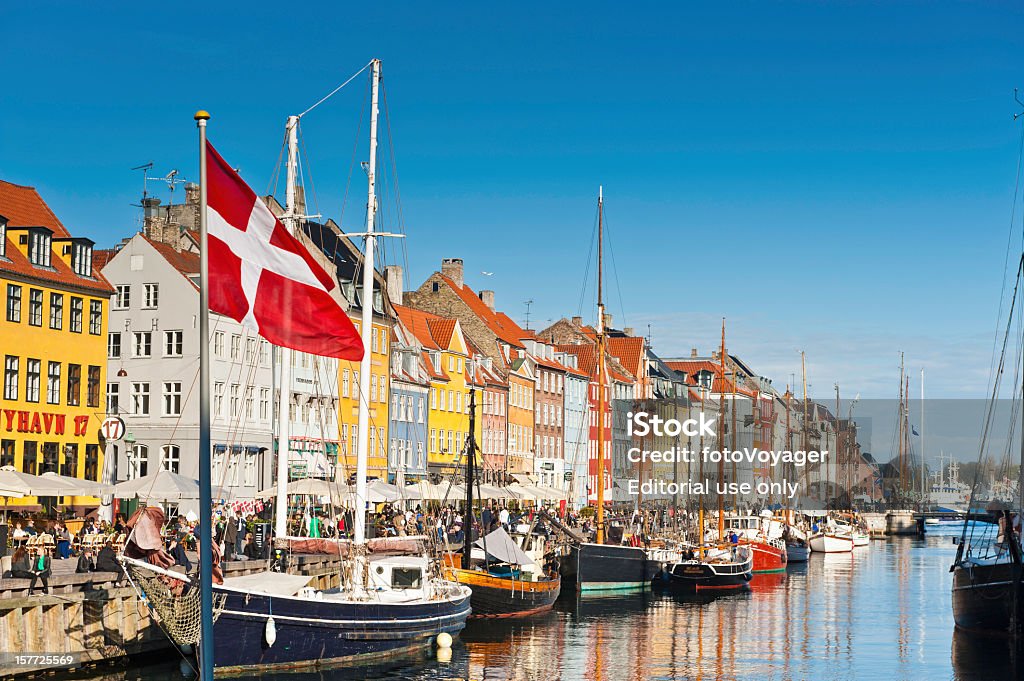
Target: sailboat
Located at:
point(506, 581)
point(599, 566)
point(722, 566)
point(386, 603)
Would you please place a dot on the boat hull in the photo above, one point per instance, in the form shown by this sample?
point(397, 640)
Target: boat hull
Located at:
point(797, 553)
point(313, 633)
point(502, 597)
point(604, 567)
point(768, 557)
point(830, 543)
point(984, 599)
point(694, 576)
point(860, 539)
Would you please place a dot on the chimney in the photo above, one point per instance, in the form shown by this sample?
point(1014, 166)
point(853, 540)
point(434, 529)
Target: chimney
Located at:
point(577, 321)
point(452, 268)
point(300, 200)
point(488, 299)
point(629, 331)
point(607, 321)
point(151, 208)
point(693, 352)
point(191, 194)
point(393, 279)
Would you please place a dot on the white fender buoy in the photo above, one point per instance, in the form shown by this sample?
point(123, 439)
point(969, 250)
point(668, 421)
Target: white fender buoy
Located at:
point(270, 632)
point(444, 654)
point(444, 640)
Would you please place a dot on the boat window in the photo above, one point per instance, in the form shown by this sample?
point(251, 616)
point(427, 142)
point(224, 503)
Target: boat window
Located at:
point(406, 578)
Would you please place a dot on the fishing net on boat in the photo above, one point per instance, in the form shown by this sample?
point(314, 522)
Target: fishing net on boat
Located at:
point(174, 605)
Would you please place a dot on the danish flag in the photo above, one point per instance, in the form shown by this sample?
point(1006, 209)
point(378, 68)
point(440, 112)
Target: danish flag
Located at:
point(264, 278)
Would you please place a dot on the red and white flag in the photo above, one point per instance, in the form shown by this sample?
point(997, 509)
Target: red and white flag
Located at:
point(263, 277)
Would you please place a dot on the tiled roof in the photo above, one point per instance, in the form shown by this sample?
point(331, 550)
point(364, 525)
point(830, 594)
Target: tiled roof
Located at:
point(500, 324)
point(100, 258)
point(185, 262)
point(23, 207)
point(587, 359)
point(441, 375)
point(629, 350)
point(442, 330)
point(693, 366)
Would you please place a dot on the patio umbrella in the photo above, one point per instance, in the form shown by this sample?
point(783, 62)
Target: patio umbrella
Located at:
point(314, 487)
point(27, 484)
point(161, 486)
point(78, 487)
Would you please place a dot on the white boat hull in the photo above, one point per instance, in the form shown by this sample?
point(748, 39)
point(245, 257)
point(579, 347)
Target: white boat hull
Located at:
point(830, 543)
point(861, 539)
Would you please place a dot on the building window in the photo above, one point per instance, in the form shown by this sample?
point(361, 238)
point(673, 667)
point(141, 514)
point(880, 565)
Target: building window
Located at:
point(13, 303)
point(35, 307)
point(264, 353)
point(51, 457)
point(218, 400)
point(114, 345)
point(95, 317)
point(218, 344)
point(143, 343)
point(74, 385)
point(264, 404)
point(150, 296)
point(138, 462)
point(10, 377)
point(92, 387)
point(6, 452)
point(56, 311)
point(32, 370)
point(39, 252)
point(373, 387)
point(344, 383)
point(250, 470)
point(172, 398)
point(70, 467)
point(234, 400)
point(92, 462)
point(140, 399)
point(123, 299)
point(250, 402)
point(75, 324)
point(170, 458)
point(113, 398)
point(236, 346)
point(173, 341)
point(53, 383)
point(29, 458)
point(3, 237)
point(81, 259)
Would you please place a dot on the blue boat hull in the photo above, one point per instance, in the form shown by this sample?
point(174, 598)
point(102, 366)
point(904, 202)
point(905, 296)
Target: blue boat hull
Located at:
point(314, 633)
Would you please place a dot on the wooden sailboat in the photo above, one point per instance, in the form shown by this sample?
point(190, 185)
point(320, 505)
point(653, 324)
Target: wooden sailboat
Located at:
point(506, 582)
point(600, 566)
point(722, 566)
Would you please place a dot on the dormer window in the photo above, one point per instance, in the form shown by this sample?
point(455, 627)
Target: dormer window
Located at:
point(81, 258)
point(39, 251)
point(3, 237)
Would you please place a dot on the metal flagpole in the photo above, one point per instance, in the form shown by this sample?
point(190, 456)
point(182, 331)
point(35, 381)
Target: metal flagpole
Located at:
point(205, 500)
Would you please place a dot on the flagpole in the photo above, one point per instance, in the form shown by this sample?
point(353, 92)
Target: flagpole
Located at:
point(205, 500)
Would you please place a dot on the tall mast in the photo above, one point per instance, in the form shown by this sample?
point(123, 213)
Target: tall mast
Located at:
point(600, 366)
point(834, 468)
point(467, 548)
point(721, 438)
point(366, 328)
point(924, 498)
point(290, 219)
point(902, 426)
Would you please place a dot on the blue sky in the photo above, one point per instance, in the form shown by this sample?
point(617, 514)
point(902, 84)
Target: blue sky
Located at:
point(833, 177)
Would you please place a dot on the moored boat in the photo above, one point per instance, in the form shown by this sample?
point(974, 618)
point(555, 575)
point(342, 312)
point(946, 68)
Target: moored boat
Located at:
point(830, 542)
point(769, 555)
point(724, 569)
point(797, 551)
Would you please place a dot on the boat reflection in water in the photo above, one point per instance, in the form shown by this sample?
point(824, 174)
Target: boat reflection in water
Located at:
point(984, 658)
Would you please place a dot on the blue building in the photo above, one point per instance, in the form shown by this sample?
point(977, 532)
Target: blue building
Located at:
point(576, 428)
point(410, 388)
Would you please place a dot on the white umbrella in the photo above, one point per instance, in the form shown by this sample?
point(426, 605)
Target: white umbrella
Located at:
point(314, 487)
point(26, 484)
point(161, 486)
point(78, 487)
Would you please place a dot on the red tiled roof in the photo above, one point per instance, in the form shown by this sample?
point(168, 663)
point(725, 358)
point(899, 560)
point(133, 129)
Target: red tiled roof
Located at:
point(186, 262)
point(629, 350)
point(23, 207)
point(692, 366)
point(100, 258)
point(442, 330)
point(500, 324)
point(441, 375)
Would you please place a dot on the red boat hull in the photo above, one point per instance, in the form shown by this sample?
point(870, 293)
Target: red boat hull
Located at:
point(767, 558)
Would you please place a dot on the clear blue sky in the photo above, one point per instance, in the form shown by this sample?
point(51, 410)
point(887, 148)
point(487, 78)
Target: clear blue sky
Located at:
point(835, 177)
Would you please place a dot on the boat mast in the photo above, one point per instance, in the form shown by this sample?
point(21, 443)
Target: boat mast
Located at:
point(721, 438)
point(467, 547)
point(289, 220)
point(902, 417)
point(600, 366)
point(924, 497)
point(834, 468)
point(366, 328)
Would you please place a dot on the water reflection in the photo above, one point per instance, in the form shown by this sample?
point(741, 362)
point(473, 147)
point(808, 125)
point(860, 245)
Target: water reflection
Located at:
point(878, 613)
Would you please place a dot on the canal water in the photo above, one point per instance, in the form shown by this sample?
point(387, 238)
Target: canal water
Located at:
point(882, 612)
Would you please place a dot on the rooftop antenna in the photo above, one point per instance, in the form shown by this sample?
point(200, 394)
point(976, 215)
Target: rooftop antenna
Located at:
point(650, 336)
point(528, 304)
point(145, 168)
point(171, 179)
point(1017, 99)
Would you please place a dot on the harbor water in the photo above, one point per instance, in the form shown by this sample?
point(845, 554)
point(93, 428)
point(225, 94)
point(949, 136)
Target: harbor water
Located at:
point(881, 612)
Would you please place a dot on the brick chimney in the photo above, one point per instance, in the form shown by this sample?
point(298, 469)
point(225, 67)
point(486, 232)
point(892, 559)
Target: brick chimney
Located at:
point(629, 331)
point(577, 321)
point(488, 299)
point(693, 352)
point(452, 268)
point(608, 320)
point(393, 278)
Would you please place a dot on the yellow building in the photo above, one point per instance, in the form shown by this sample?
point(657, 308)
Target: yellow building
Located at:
point(521, 385)
point(378, 402)
point(53, 342)
point(446, 353)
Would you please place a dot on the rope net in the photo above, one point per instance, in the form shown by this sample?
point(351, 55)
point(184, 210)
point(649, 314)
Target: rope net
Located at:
point(175, 608)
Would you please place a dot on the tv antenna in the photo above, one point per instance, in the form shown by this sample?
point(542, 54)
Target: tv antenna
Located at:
point(528, 304)
point(1017, 99)
point(171, 179)
point(145, 168)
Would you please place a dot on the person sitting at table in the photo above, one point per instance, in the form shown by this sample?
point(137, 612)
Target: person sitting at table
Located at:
point(20, 536)
point(30, 527)
point(249, 549)
point(63, 538)
point(177, 552)
point(106, 560)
